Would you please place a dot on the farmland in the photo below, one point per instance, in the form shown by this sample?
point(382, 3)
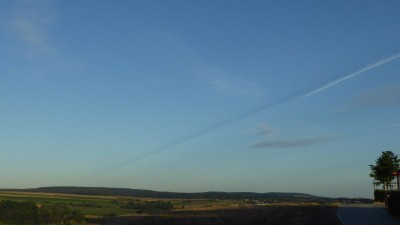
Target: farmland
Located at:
point(97, 206)
point(127, 210)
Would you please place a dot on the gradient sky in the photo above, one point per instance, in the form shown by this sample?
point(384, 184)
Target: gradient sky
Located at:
point(263, 96)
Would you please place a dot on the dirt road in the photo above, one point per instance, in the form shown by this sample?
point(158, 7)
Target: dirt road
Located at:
point(365, 214)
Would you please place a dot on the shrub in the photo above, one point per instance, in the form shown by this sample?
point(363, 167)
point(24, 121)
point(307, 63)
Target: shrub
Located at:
point(60, 214)
point(27, 213)
point(18, 213)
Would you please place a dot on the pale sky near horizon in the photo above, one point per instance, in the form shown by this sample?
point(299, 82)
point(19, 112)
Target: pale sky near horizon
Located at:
point(263, 96)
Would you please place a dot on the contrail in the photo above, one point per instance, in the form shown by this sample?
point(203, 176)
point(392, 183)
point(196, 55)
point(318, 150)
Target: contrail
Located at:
point(233, 119)
point(189, 137)
point(384, 127)
point(358, 72)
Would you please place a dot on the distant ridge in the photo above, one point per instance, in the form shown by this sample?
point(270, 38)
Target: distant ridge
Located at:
point(127, 192)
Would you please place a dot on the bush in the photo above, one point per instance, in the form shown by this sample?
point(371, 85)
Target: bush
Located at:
point(28, 213)
point(393, 203)
point(60, 214)
point(18, 213)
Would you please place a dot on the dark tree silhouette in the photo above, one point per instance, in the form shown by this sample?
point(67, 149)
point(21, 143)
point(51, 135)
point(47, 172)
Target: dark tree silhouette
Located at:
point(385, 166)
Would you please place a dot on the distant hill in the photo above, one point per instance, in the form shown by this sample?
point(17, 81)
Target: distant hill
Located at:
point(166, 195)
point(127, 192)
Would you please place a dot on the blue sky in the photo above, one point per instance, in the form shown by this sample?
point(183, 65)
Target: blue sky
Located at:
point(192, 96)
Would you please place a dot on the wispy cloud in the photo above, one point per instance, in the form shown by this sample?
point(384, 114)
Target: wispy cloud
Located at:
point(230, 84)
point(29, 32)
point(292, 143)
point(29, 23)
point(393, 125)
point(388, 95)
point(188, 64)
point(354, 74)
point(264, 129)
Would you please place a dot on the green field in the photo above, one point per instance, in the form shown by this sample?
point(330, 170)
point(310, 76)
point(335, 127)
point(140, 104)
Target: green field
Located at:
point(93, 206)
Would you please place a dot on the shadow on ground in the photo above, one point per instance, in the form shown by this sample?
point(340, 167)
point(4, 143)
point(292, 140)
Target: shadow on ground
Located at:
point(365, 214)
point(274, 215)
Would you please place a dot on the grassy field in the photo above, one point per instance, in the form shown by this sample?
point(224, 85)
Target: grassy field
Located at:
point(94, 206)
point(110, 210)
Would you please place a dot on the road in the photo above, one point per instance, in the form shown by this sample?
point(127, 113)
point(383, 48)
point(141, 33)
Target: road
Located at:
point(365, 214)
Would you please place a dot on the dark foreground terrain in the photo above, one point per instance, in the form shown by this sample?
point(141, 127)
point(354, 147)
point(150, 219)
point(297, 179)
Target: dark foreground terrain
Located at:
point(273, 215)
